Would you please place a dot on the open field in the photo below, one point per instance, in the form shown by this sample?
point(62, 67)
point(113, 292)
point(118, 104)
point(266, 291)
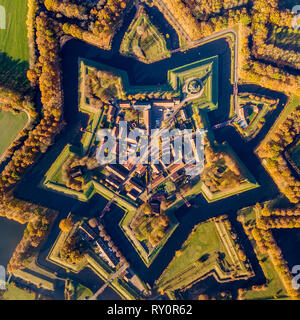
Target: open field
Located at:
point(209, 249)
point(124, 84)
point(13, 40)
point(255, 121)
point(143, 41)
point(10, 125)
point(14, 52)
point(199, 186)
point(14, 293)
point(82, 292)
point(37, 280)
point(78, 291)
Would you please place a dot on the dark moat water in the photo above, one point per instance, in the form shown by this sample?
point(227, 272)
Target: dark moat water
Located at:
point(11, 233)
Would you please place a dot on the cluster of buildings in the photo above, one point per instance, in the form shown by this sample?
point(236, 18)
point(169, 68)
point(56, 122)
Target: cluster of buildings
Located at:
point(118, 175)
point(93, 233)
point(106, 251)
point(154, 112)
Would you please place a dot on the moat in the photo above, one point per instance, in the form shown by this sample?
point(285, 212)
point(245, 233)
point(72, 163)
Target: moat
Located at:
point(155, 74)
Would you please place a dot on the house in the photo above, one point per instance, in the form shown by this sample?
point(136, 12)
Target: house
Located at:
point(133, 194)
point(118, 119)
point(110, 113)
point(176, 101)
point(128, 166)
point(175, 167)
point(106, 253)
point(140, 169)
point(76, 172)
point(116, 172)
point(142, 106)
point(175, 176)
point(157, 181)
point(155, 206)
point(136, 186)
point(114, 181)
point(115, 131)
point(125, 104)
point(164, 103)
point(156, 168)
point(158, 197)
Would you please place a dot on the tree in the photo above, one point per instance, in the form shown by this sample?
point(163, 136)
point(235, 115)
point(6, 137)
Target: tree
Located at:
point(93, 222)
point(66, 224)
point(146, 208)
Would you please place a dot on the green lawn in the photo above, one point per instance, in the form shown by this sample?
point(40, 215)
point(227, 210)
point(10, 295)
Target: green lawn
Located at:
point(14, 52)
point(207, 71)
point(13, 40)
point(14, 293)
point(78, 291)
point(147, 256)
point(203, 252)
point(83, 292)
point(10, 125)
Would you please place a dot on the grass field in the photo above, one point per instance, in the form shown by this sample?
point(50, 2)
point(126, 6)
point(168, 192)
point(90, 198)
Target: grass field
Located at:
point(14, 52)
point(12, 123)
point(13, 40)
point(14, 293)
point(207, 71)
point(255, 121)
point(78, 291)
point(37, 280)
point(204, 251)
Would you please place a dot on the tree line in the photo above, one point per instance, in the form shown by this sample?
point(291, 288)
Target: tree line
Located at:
point(46, 74)
point(265, 13)
point(260, 231)
point(271, 150)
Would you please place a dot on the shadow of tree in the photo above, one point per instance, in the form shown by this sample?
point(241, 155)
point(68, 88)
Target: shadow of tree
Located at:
point(13, 74)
